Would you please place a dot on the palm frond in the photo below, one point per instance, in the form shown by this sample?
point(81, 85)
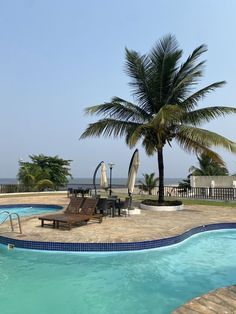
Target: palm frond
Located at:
point(196, 171)
point(149, 182)
point(208, 167)
point(158, 130)
point(207, 114)
point(165, 57)
point(119, 109)
point(168, 115)
point(184, 83)
point(190, 62)
point(204, 138)
point(147, 144)
point(192, 146)
point(139, 69)
point(166, 45)
point(108, 127)
point(189, 67)
point(135, 133)
point(192, 101)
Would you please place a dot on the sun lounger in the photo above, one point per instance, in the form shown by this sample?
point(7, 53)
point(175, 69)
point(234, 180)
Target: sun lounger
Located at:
point(80, 215)
point(73, 208)
point(74, 205)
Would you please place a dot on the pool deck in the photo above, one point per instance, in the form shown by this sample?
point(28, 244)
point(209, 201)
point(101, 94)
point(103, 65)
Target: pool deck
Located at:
point(221, 301)
point(146, 226)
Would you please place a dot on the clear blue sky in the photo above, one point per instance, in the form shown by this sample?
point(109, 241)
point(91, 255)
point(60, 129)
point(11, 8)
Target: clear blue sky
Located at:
point(58, 57)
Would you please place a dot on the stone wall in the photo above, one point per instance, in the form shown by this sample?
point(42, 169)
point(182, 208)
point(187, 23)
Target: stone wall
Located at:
point(213, 181)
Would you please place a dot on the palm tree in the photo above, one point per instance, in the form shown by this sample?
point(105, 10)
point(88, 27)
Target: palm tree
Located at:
point(25, 175)
point(165, 105)
point(33, 177)
point(185, 184)
point(44, 184)
point(149, 182)
point(208, 167)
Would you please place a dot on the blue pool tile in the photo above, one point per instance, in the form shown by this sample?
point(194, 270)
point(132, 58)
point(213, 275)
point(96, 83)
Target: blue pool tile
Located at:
point(112, 247)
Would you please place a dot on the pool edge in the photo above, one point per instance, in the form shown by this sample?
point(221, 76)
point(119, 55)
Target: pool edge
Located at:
point(113, 247)
point(32, 205)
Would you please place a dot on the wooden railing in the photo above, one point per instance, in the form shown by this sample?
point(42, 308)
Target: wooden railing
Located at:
point(11, 188)
point(18, 188)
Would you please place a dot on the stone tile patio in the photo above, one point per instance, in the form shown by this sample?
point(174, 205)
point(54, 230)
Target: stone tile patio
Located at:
point(147, 226)
point(220, 301)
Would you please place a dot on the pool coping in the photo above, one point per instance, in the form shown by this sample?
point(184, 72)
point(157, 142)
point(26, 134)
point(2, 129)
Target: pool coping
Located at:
point(32, 205)
point(97, 247)
point(222, 300)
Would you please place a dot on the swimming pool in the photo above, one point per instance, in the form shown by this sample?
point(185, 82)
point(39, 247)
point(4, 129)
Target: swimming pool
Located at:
point(28, 209)
point(156, 281)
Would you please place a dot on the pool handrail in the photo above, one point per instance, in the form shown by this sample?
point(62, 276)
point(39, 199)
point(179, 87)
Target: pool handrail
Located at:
point(9, 215)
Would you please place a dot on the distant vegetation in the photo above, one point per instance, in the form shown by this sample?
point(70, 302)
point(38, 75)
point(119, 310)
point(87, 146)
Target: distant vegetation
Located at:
point(44, 172)
point(207, 167)
point(149, 183)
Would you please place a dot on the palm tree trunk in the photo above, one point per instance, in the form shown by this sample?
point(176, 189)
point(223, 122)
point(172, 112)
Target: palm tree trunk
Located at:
point(161, 174)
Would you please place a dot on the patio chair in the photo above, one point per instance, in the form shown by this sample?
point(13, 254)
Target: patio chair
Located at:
point(74, 205)
point(113, 205)
point(79, 215)
point(125, 206)
point(102, 207)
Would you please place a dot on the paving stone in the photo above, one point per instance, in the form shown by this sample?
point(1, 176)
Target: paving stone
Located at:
point(218, 301)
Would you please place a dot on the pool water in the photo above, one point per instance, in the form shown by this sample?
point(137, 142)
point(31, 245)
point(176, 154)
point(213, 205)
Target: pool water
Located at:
point(156, 281)
point(28, 210)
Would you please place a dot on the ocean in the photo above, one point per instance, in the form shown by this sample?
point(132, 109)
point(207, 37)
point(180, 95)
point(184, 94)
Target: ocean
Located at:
point(89, 181)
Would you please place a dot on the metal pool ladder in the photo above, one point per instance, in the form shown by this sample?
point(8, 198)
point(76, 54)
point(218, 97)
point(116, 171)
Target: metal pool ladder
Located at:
point(9, 215)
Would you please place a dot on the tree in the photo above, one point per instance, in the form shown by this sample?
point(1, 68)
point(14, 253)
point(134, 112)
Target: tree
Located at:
point(208, 167)
point(26, 175)
point(43, 184)
point(185, 184)
point(33, 177)
point(165, 105)
point(149, 182)
point(44, 172)
point(57, 168)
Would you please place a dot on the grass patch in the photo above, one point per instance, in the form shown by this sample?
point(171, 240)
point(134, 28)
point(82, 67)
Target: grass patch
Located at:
point(209, 203)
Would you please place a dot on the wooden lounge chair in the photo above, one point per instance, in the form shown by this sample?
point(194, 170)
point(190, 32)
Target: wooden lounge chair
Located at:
point(74, 205)
point(84, 214)
point(73, 208)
